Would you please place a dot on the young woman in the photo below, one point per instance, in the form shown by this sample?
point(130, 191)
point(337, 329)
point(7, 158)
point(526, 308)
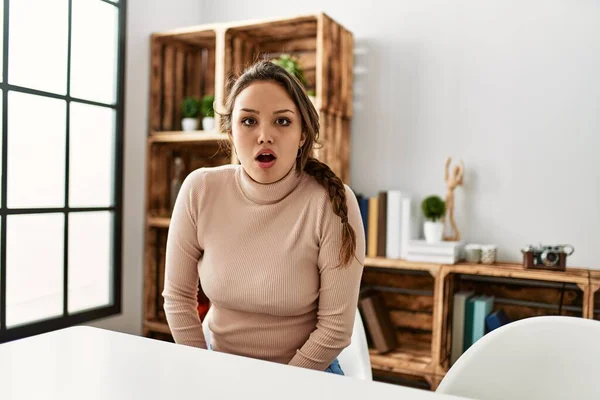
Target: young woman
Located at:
point(277, 242)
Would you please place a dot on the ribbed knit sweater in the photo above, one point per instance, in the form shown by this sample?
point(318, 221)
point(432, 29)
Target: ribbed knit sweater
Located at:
point(267, 256)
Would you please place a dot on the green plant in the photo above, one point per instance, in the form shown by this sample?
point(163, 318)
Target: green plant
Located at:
point(190, 107)
point(311, 92)
point(433, 208)
point(207, 106)
point(292, 66)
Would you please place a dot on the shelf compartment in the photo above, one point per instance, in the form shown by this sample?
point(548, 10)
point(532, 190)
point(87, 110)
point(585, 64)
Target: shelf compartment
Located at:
point(181, 65)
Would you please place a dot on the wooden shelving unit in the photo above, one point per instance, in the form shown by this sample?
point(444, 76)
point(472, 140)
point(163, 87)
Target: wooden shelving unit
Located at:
point(201, 60)
point(522, 293)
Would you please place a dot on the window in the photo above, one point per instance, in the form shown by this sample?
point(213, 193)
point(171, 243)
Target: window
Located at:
point(62, 91)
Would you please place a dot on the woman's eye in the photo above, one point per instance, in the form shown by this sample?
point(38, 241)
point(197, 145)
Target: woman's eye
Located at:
point(283, 121)
point(248, 121)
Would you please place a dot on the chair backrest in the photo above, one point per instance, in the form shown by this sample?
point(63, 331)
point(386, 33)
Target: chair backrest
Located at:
point(354, 359)
point(549, 357)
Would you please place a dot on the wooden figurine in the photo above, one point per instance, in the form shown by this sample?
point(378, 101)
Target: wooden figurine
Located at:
point(452, 181)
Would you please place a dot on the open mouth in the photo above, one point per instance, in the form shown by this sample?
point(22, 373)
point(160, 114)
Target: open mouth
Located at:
point(265, 158)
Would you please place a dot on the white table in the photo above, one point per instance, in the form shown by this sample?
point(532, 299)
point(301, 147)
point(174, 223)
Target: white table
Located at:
point(91, 363)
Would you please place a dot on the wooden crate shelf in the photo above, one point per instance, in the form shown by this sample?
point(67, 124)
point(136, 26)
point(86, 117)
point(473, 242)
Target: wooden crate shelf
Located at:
point(522, 292)
point(158, 222)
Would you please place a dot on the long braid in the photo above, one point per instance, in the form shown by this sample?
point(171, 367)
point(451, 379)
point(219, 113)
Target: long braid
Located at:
point(337, 194)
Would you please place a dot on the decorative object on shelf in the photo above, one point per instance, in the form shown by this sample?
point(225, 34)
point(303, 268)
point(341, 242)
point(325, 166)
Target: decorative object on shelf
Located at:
point(176, 179)
point(473, 253)
point(452, 181)
point(489, 253)
point(208, 112)
point(433, 208)
point(190, 110)
point(552, 257)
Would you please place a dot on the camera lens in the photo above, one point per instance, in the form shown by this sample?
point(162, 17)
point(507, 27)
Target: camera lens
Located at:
point(549, 258)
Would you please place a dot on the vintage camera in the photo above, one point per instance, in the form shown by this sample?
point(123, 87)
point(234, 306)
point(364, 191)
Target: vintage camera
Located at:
point(547, 257)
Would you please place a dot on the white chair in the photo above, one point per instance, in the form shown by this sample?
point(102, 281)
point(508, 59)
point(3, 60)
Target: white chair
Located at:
point(354, 359)
point(544, 358)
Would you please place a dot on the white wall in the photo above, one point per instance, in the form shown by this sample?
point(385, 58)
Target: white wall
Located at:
point(144, 18)
point(511, 87)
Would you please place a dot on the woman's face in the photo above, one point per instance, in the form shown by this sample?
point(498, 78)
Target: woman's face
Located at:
point(267, 131)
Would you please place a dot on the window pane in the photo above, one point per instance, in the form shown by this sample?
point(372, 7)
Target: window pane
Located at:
point(90, 265)
point(38, 44)
point(34, 261)
point(91, 156)
point(36, 151)
point(94, 51)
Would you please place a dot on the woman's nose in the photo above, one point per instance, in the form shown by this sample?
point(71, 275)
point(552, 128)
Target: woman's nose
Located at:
point(265, 136)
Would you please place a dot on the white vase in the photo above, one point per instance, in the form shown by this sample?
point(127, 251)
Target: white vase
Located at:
point(189, 124)
point(208, 123)
point(434, 231)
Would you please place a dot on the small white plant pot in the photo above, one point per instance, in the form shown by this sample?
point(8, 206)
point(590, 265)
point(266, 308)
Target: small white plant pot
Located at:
point(189, 124)
point(208, 123)
point(434, 231)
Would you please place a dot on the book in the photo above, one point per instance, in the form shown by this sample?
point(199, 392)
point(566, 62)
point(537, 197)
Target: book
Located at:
point(458, 324)
point(381, 223)
point(373, 228)
point(393, 247)
point(411, 223)
point(443, 248)
point(482, 307)
point(363, 205)
point(378, 323)
point(495, 320)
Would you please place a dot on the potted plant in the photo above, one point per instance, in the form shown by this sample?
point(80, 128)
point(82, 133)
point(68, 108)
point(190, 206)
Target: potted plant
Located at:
point(208, 112)
point(293, 67)
point(190, 110)
point(434, 209)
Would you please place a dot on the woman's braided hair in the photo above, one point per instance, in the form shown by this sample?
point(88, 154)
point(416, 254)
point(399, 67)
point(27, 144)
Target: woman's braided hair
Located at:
point(266, 70)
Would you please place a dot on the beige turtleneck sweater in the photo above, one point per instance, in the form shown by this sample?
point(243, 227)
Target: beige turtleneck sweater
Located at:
point(267, 258)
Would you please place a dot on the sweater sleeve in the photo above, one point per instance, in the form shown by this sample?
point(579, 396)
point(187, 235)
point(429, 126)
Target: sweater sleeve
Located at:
point(181, 266)
point(339, 290)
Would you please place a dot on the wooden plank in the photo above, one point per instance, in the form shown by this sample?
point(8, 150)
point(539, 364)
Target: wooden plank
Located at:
point(187, 137)
point(523, 292)
point(209, 73)
point(194, 74)
point(158, 222)
point(400, 280)
point(248, 54)
point(188, 74)
point(382, 262)
point(347, 66)
point(149, 276)
point(156, 62)
point(229, 74)
point(345, 151)
point(335, 83)
point(413, 320)
point(237, 56)
point(300, 44)
point(408, 302)
point(323, 77)
point(509, 270)
point(219, 77)
point(179, 86)
point(168, 88)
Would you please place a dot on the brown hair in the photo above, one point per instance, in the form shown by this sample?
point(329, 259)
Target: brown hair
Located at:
point(266, 70)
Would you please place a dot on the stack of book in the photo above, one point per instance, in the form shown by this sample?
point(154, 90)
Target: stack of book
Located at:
point(391, 218)
point(440, 252)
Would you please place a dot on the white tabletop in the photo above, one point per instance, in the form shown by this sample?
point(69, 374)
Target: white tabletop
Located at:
point(91, 363)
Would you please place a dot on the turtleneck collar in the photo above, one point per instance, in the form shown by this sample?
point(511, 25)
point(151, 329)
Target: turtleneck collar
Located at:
point(267, 193)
